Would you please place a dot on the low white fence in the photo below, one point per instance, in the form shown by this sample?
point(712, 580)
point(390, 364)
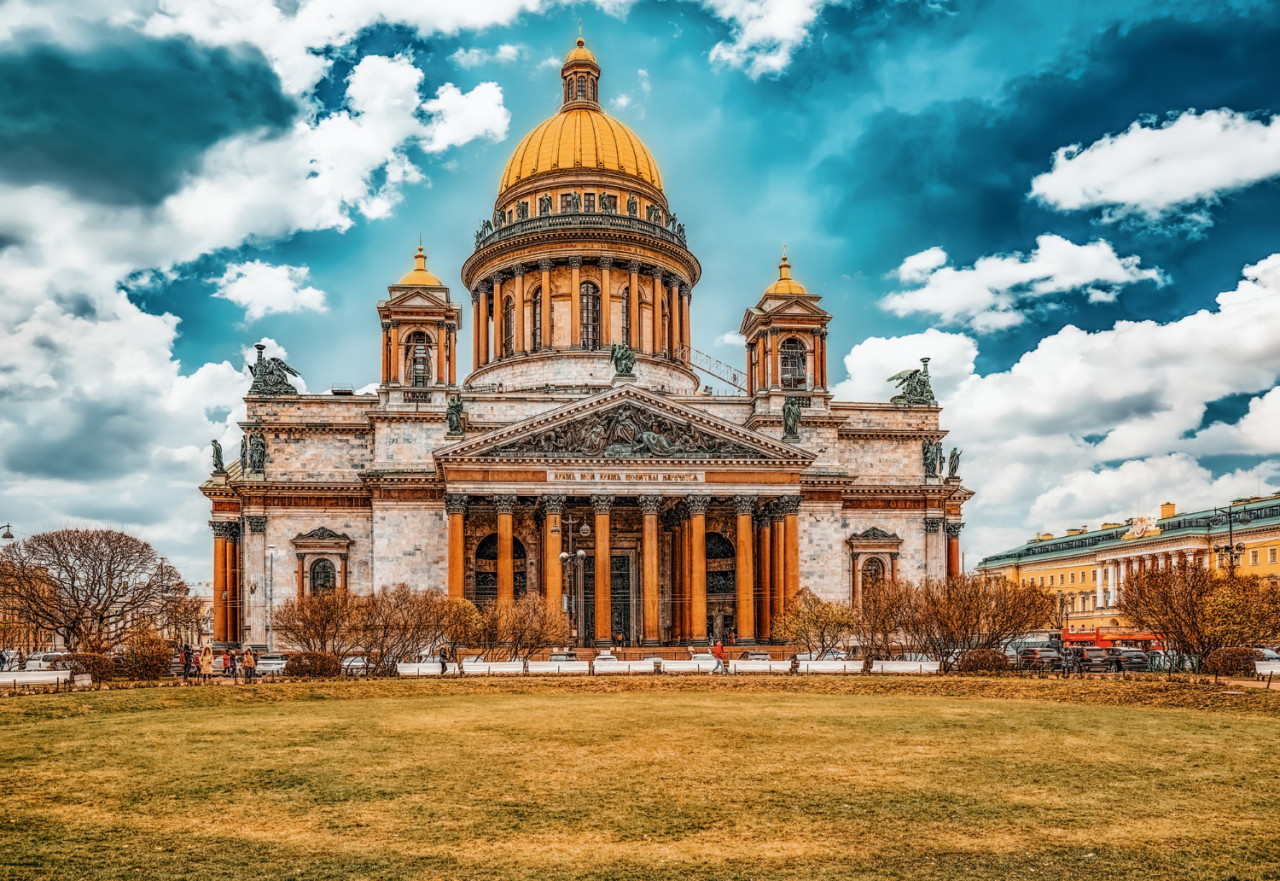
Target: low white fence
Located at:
point(700, 665)
point(15, 678)
point(559, 668)
point(918, 667)
point(614, 667)
point(609, 666)
point(1267, 668)
point(759, 666)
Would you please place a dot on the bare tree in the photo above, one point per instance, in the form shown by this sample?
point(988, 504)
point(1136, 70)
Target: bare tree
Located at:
point(532, 627)
point(90, 586)
point(879, 620)
point(1195, 611)
point(948, 617)
point(397, 624)
point(329, 622)
point(461, 624)
point(817, 624)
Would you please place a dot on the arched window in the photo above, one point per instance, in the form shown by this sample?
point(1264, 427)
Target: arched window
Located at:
point(417, 352)
point(536, 300)
point(508, 326)
point(791, 358)
point(593, 90)
point(487, 568)
point(568, 89)
point(324, 578)
point(626, 317)
point(590, 298)
point(872, 572)
point(582, 87)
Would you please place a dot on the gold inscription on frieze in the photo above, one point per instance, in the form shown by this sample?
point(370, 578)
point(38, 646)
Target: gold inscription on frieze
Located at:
point(626, 476)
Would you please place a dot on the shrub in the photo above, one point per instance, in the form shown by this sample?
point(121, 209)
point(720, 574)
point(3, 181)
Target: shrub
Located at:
point(99, 667)
point(312, 664)
point(1231, 662)
point(145, 656)
point(983, 661)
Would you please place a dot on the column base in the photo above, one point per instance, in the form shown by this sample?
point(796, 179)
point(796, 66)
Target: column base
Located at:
point(650, 642)
point(702, 643)
point(602, 643)
point(750, 640)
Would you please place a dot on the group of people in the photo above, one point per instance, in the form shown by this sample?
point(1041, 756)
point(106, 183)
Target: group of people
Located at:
point(234, 664)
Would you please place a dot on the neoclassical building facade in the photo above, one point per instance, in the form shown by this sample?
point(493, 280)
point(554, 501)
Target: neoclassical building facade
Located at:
point(581, 459)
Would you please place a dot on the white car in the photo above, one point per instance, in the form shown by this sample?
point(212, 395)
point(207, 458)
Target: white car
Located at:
point(273, 664)
point(357, 665)
point(42, 660)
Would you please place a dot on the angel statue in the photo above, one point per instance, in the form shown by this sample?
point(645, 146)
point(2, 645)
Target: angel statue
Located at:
point(271, 376)
point(953, 463)
point(914, 386)
point(453, 414)
point(218, 466)
point(624, 360)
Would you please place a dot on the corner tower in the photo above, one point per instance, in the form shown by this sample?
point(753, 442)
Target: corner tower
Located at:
point(581, 253)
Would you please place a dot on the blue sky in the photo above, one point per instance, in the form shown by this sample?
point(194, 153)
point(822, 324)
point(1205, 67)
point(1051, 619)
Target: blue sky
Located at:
point(1071, 207)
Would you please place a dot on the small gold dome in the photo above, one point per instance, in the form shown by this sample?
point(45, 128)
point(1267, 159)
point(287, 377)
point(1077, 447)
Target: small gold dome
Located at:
point(786, 286)
point(419, 276)
point(580, 52)
point(580, 138)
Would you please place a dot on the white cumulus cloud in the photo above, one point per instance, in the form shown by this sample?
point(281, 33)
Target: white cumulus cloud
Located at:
point(765, 33)
point(1156, 168)
point(459, 117)
point(475, 57)
point(994, 293)
point(262, 289)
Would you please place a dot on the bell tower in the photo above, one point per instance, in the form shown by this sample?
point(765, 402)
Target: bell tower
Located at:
point(419, 332)
point(786, 334)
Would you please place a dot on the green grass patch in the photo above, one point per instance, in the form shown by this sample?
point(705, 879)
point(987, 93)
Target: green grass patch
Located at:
point(788, 778)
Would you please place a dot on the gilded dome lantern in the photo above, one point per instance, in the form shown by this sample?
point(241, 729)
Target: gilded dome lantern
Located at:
point(582, 253)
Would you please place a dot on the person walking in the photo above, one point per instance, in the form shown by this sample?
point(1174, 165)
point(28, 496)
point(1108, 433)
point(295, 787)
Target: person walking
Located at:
point(4, 660)
point(186, 662)
point(718, 654)
point(250, 665)
point(444, 662)
point(230, 666)
point(206, 664)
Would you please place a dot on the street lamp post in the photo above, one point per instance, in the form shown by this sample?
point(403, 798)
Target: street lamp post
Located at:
point(271, 593)
point(571, 561)
point(8, 533)
point(1233, 550)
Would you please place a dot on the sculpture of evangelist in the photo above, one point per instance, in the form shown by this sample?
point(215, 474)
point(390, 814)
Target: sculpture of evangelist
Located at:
point(257, 453)
point(271, 376)
point(791, 418)
point(633, 206)
point(953, 463)
point(218, 466)
point(453, 414)
point(914, 387)
point(624, 360)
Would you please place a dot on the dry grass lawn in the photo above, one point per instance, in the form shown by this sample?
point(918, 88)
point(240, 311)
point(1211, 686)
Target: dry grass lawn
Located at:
point(685, 779)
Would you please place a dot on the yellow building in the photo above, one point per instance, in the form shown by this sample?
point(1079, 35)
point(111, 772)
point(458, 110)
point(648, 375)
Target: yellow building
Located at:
point(1087, 568)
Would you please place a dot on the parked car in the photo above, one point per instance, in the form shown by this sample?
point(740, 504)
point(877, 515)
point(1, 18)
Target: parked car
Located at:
point(828, 655)
point(699, 656)
point(1088, 659)
point(1121, 659)
point(273, 664)
point(563, 657)
point(42, 660)
point(1041, 659)
point(1261, 654)
point(754, 656)
point(357, 665)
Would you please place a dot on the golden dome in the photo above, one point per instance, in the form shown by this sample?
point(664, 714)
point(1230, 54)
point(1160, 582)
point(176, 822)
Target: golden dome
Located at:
point(419, 276)
point(580, 137)
point(786, 286)
point(580, 52)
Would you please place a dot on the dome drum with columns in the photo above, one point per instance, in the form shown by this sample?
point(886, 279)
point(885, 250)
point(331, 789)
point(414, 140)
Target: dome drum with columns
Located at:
point(698, 516)
point(582, 253)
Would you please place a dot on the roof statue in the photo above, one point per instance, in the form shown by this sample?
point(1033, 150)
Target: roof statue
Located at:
point(271, 376)
point(453, 414)
point(791, 418)
point(953, 463)
point(914, 386)
point(624, 360)
point(218, 466)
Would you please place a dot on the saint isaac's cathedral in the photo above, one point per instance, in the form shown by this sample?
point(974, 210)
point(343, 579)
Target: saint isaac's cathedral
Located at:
point(580, 459)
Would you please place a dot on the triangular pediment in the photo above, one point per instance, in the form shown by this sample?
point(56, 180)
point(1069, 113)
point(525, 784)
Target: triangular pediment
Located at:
point(627, 424)
point(805, 307)
point(417, 298)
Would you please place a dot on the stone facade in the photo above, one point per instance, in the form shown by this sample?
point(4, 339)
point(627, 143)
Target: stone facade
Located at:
point(715, 514)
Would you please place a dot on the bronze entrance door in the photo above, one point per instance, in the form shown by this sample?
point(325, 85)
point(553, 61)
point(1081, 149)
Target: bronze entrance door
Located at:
point(620, 599)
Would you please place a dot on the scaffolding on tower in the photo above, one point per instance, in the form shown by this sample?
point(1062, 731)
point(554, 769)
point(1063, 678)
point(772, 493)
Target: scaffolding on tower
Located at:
point(712, 367)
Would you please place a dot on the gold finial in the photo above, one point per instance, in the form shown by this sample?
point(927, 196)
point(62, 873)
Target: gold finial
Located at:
point(420, 258)
point(784, 268)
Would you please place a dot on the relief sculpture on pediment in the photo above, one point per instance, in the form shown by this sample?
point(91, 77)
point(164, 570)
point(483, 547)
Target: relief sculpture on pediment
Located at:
point(627, 432)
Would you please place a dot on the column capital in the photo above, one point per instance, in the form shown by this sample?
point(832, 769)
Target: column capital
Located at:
point(504, 502)
point(953, 528)
point(386, 326)
point(455, 503)
point(553, 504)
point(744, 504)
point(657, 275)
point(257, 523)
point(602, 503)
point(229, 529)
point(499, 276)
point(634, 266)
point(575, 261)
point(605, 262)
point(475, 298)
point(395, 322)
point(763, 519)
point(650, 504)
point(517, 271)
point(483, 287)
point(545, 264)
point(788, 505)
point(698, 504)
point(686, 290)
point(932, 524)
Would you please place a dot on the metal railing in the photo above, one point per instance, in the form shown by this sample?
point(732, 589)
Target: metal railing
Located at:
point(582, 220)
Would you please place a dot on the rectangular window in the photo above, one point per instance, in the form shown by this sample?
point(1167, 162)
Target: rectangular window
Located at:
point(1073, 578)
point(1253, 558)
point(1042, 581)
point(609, 203)
point(566, 203)
point(589, 202)
point(1271, 555)
point(1051, 581)
point(1093, 576)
